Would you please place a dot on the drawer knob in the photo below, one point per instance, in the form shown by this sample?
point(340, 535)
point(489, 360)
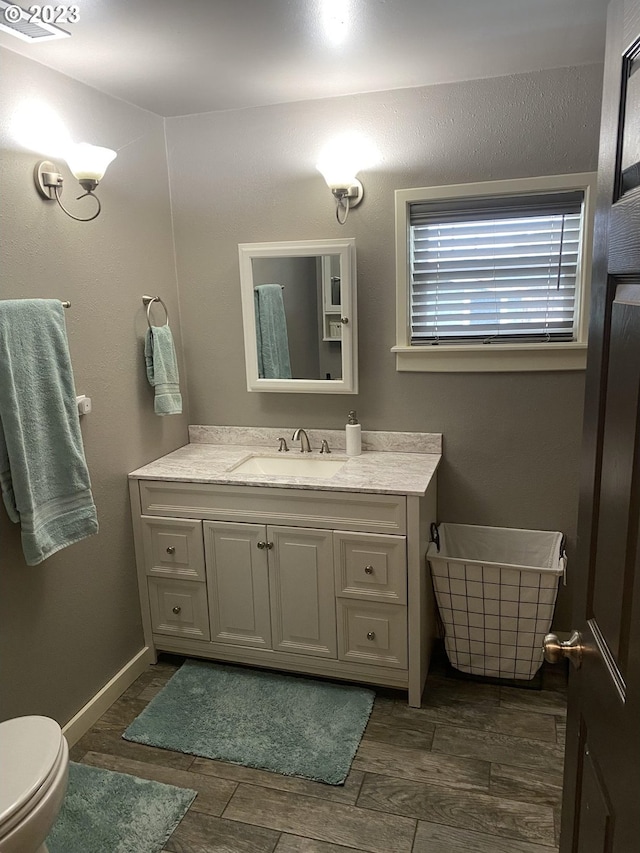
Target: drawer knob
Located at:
point(368, 570)
point(171, 550)
point(371, 635)
point(177, 609)
point(262, 545)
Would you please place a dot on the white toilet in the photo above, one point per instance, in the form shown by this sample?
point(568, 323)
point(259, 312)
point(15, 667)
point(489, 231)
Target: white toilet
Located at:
point(34, 771)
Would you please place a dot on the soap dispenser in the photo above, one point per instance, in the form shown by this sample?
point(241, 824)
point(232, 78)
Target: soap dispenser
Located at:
point(354, 436)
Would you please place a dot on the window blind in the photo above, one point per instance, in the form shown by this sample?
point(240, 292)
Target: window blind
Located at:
point(495, 270)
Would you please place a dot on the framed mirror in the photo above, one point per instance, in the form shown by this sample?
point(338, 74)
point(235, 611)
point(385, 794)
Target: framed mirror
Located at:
point(299, 316)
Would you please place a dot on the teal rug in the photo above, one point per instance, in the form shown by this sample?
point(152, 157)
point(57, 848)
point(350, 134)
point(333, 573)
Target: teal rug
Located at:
point(283, 723)
point(107, 812)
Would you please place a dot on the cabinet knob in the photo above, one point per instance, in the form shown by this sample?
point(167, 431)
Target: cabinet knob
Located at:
point(262, 545)
point(177, 609)
point(171, 550)
point(368, 570)
point(371, 635)
point(269, 545)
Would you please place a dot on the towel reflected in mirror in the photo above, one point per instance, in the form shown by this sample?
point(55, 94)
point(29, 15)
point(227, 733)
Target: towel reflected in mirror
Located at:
point(272, 340)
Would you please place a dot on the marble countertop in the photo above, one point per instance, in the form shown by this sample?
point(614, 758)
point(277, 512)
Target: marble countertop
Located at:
point(389, 471)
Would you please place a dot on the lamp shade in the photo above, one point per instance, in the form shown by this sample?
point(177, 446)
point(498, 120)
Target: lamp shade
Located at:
point(338, 173)
point(89, 162)
point(340, 161)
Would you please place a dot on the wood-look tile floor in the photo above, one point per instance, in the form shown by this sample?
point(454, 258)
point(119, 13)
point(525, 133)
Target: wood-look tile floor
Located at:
point(477, 769)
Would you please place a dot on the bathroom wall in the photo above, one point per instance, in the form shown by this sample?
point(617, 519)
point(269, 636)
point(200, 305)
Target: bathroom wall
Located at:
point(68, 625)
point(511, 441)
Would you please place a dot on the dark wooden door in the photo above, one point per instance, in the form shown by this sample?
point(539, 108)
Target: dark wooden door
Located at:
point(601, 802)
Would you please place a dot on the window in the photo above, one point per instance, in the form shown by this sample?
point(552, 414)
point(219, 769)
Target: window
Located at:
point(494, 276)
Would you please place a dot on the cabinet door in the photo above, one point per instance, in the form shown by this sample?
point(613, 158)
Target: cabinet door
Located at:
point(303, 614)
point(237, 581)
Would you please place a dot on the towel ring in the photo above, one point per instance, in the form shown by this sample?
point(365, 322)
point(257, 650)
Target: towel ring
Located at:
point(148, 301)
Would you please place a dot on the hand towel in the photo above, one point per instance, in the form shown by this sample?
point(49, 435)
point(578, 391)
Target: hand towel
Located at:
point(43, 473)
point(272, 339)
point(162, 370)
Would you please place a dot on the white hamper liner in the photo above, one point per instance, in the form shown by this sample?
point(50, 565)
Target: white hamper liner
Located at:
point(496, 590)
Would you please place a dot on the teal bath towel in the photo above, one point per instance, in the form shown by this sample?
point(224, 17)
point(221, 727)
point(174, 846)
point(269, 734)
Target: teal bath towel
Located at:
point(162, 370)
point(271, 333)
point(43, 473)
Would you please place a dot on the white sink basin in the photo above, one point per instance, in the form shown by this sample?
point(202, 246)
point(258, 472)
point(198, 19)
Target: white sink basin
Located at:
point(292, 466)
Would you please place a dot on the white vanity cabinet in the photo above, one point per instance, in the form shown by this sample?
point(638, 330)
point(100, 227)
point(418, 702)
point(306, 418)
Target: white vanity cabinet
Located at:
point(323, 582)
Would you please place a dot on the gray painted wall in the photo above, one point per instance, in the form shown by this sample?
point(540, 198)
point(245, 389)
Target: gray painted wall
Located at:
point(68, 625)
point(511, 441)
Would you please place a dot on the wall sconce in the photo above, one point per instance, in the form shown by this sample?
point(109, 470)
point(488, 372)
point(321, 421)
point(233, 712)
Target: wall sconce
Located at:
point(346, 188)
point(340, 161)
point(88, 163)
point(348, 192)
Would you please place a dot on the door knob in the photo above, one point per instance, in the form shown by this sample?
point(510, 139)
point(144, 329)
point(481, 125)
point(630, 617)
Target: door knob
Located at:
point(554, 650)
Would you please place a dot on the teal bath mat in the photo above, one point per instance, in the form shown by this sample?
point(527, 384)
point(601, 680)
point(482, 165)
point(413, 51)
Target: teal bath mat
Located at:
point(107, 812)
point(289, 725)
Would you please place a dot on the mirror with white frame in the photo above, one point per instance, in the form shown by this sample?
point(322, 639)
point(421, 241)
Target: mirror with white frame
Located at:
point(299, 316)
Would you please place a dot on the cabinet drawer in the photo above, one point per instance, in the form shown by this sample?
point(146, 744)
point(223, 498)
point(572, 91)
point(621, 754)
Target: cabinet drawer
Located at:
point(179, 608)
point(371, 633)
point(372, 567)
point(173, 548)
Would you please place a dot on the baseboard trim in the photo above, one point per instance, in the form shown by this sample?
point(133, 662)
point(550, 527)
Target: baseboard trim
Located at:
point(107, 695)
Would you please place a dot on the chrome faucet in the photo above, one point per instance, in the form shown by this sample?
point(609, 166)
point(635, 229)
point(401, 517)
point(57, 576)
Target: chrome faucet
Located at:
point(283, 445)
point(301, 434)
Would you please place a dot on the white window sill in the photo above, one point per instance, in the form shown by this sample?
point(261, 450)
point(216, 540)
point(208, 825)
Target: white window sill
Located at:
point(488, 358)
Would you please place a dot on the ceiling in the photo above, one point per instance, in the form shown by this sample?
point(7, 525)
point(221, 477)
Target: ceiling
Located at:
point(177, 57)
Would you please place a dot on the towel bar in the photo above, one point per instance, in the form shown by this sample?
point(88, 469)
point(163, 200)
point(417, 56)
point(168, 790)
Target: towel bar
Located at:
point(148, 301)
